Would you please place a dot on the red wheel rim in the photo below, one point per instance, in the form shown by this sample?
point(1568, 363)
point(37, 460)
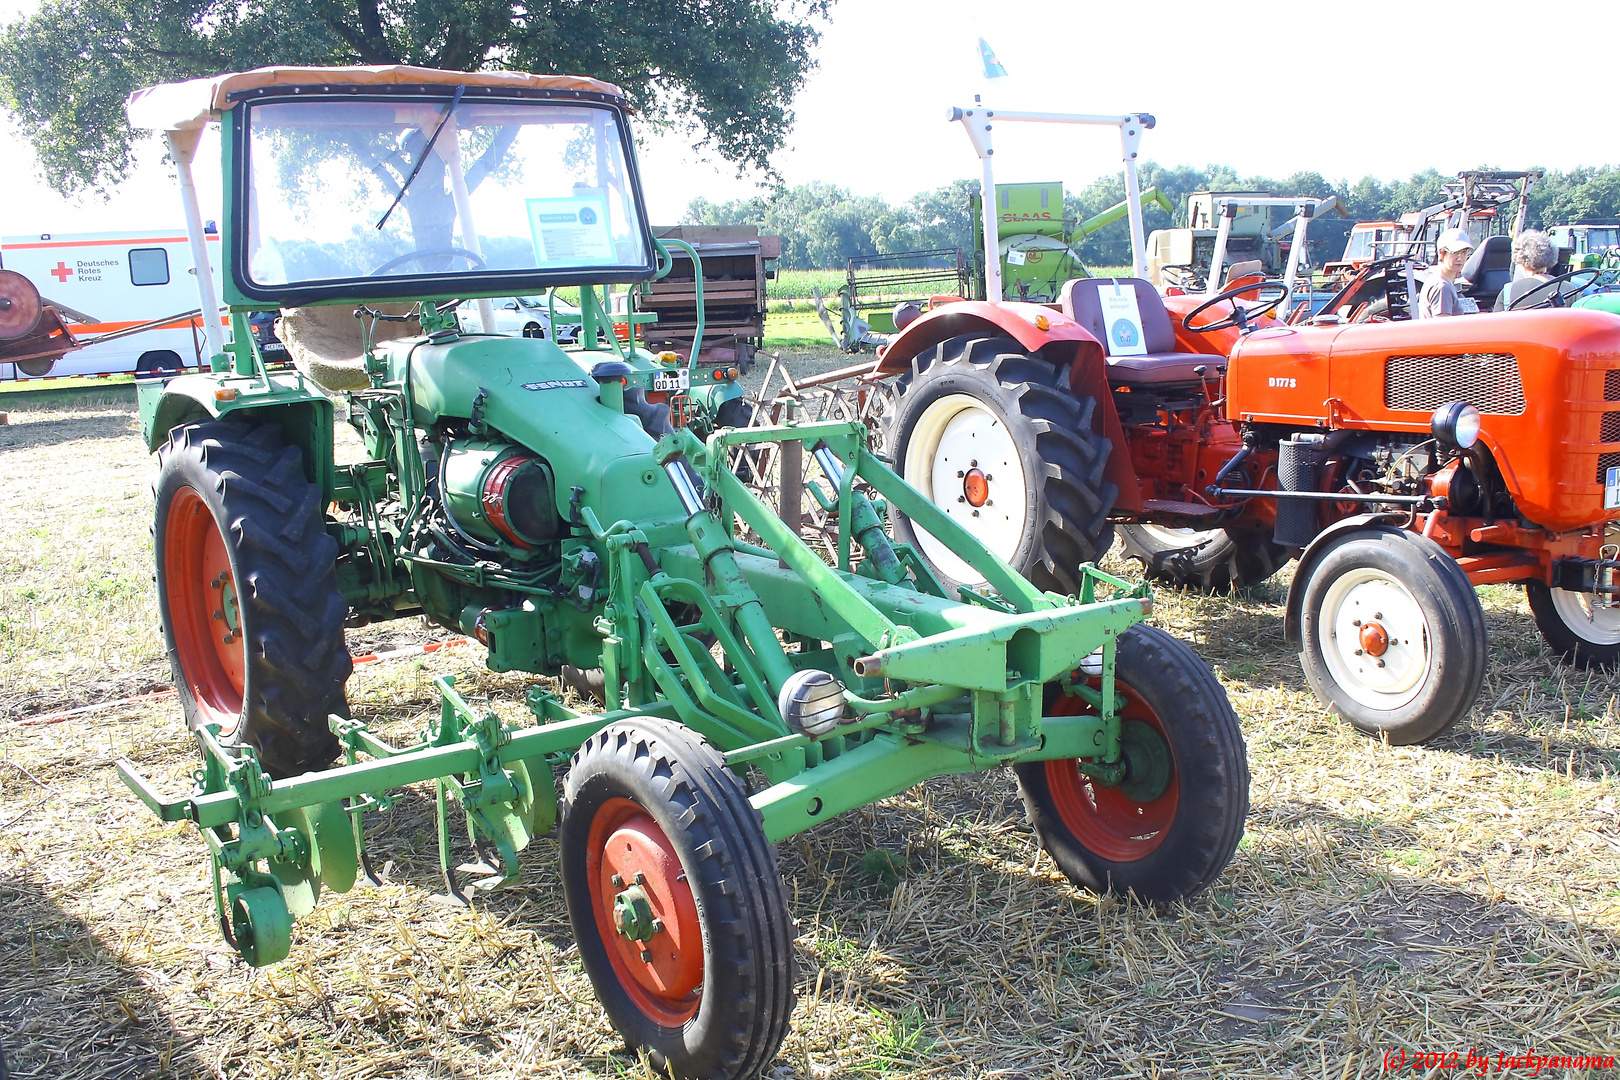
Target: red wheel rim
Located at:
point(1103, 818)
point(628, 845)
point(203, 610)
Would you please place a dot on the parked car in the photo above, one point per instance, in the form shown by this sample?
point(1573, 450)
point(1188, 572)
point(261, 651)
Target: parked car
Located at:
point(529, 316)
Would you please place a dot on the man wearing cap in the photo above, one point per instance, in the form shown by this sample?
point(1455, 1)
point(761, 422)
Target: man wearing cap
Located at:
point(1440, 295)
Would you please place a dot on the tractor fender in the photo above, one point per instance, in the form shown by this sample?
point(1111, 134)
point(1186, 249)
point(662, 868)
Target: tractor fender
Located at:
point(1019, 321)
point(304, 414)
point(1327, 538)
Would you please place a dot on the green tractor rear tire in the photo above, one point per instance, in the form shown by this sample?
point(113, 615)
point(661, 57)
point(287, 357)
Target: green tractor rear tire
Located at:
point(676, 902)
point(252, 615)
point(1170, 826)
point(993, 436)
point(1212, 560)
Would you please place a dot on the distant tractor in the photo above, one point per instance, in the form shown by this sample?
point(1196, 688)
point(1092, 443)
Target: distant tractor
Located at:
point(1583, 247)
point(1237, 232)
point(1386, 263)
point(1400, 463)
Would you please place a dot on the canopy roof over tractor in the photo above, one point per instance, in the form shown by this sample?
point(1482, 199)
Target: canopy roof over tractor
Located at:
point(187, 106)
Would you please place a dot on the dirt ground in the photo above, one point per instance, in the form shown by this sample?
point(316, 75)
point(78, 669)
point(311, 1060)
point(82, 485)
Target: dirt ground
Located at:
point(1460, 897)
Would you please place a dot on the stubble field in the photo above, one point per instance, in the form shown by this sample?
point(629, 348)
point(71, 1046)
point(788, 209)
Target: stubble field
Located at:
point(1455, 897)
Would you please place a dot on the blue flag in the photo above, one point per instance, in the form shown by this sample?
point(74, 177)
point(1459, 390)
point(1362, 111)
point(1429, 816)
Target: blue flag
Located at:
point(992, 66)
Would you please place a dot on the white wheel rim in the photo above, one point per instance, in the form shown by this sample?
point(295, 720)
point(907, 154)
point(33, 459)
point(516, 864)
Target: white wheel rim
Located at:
point(1365, 597)
point(1183, 538)
point(953, 436)
point(1586, 617)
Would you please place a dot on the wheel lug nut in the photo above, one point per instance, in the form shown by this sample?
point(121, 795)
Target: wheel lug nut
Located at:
point(1355, 622)
point(641, 879)
point(974, 464)
point(658, 926)
point(1378, 614)
point(618, 881)
point(1358, 652)
point(1380, 663)
point(975, 513)
point(961, 498)
point(960, 473)
point(646, 956)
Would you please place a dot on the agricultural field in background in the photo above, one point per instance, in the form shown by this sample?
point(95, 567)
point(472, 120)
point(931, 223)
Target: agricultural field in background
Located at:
point(1460, 895)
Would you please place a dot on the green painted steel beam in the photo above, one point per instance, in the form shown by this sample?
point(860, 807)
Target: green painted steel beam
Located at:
point(409, 766)
point(890, 764)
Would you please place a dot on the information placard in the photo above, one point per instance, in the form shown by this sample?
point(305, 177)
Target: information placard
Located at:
point(1123, 320)
point(571, 231)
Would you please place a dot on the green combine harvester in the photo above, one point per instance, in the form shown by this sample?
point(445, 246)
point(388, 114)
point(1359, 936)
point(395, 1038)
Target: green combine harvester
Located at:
point(573, 511)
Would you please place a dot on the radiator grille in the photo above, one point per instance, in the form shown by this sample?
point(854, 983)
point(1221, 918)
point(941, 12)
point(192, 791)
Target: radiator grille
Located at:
point(1611, 427)
point(1605, 463)
point(1611, 385)
point(1489, 381)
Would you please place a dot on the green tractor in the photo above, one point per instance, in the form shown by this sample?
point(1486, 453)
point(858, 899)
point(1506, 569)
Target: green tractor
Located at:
point(575, 513)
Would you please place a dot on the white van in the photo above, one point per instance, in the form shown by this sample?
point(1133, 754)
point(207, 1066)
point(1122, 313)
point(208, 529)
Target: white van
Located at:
point(118, 280)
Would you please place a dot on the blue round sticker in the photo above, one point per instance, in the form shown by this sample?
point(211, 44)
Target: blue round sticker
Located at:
point(1123, 332)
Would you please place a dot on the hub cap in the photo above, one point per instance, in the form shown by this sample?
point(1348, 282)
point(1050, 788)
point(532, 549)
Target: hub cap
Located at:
point(645, 912)
point(1375, 639)
point(1124, 822)
point(964, 460)
point(204, 610)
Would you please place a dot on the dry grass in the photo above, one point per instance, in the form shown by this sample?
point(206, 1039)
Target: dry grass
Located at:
point(1462, 895)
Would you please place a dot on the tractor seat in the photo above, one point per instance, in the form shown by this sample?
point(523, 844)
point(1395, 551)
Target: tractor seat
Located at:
point(1162, 363)
point(1490, 267)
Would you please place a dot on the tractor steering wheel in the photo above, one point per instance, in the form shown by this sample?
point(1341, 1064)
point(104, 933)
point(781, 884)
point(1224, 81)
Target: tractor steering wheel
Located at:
point(1240, 316)
point(474, 262)
point(1551, 293)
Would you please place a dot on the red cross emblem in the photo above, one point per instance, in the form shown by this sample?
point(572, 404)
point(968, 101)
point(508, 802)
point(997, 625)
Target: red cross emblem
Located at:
point(62, 271)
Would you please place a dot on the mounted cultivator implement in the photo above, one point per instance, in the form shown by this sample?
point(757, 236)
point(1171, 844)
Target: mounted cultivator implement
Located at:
point(543, 502)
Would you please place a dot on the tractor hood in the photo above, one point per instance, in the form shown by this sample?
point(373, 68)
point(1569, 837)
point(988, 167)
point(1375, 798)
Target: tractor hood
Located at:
point(1546, 382)
point(534, 394)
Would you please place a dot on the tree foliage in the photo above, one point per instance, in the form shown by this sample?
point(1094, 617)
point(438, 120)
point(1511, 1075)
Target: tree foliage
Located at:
point(823, 226)
point(724, 70)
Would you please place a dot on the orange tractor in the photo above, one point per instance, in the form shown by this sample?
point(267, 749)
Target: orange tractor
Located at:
point(1401, 464)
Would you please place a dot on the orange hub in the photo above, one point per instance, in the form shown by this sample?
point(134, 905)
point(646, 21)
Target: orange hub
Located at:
point(203, 610)
point(1103, 817)
point(1374, 639)
point(976, 487)
point(645, 912)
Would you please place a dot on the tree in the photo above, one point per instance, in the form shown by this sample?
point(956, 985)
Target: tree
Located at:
point(724, 70)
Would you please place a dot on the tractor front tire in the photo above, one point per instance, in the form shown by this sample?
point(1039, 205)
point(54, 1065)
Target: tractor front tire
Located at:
point(676, 902)
point(1211, 561)
point(252, 615)
point(1392, 635)
point(994, 437)
point(1576, 626)
point(1170, 826)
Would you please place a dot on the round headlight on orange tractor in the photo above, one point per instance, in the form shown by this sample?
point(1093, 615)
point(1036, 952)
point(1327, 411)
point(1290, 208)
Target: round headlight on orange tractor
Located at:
point(1456, 425)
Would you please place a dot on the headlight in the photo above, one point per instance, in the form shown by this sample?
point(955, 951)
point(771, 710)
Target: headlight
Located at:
point(1456, 425)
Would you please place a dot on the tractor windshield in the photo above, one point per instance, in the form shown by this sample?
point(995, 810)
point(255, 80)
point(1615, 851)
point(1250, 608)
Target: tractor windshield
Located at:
point(378, 187)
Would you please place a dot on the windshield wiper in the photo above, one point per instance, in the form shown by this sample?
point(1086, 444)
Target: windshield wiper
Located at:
point(421, 159)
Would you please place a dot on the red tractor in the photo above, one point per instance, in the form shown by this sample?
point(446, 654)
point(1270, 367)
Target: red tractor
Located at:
point(1402, 463)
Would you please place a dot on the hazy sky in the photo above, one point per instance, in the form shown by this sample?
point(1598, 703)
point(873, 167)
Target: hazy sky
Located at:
point(1266, 88)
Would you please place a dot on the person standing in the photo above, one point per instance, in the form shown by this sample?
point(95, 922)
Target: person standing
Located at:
point(1534, 255)
point(1440, 296)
